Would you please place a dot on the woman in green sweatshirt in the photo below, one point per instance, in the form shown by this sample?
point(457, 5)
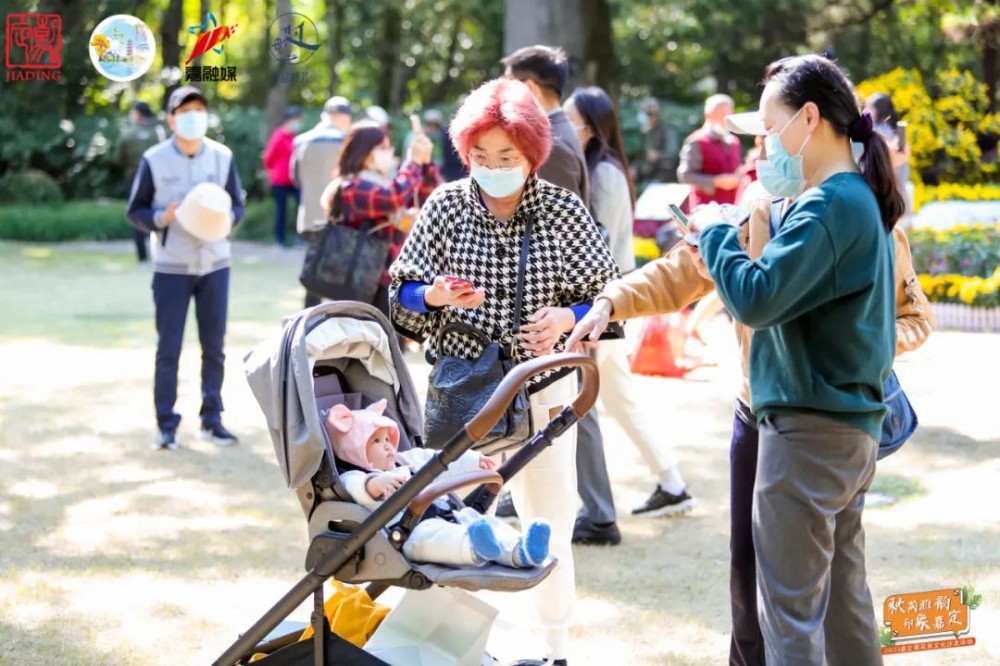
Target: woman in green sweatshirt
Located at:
point(821, 301)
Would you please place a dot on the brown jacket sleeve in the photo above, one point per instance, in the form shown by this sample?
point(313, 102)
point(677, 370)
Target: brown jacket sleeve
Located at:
point(914, 316)
point(665, 285)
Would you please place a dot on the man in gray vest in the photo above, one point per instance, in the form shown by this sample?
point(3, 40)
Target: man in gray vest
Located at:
point(314, 159)
point(186, 266)
point(545, 71)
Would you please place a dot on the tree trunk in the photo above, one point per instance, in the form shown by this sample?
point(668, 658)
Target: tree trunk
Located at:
point(335, 36)
point(600, 66)
point(990, 53)
point(551, 23)
point(277, 97)
point(440, 91)
point(206, 7)
point(170, 46)
point(387, 90)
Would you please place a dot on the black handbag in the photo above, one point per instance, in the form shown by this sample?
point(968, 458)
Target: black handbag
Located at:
point(458, 387)
point(345, 263)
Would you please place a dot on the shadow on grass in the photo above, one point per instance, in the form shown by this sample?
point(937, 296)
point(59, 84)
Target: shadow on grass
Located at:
point(47, 644)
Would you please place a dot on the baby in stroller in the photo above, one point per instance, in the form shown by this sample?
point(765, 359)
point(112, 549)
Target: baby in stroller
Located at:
point(371, 467)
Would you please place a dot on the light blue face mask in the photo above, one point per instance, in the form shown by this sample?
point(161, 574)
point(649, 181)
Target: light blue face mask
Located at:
point(191, 125)
point(781, 174)
point(498, 183)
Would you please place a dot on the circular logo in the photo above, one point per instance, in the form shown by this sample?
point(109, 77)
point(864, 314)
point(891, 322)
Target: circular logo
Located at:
point(292, 38)
point(122, 47)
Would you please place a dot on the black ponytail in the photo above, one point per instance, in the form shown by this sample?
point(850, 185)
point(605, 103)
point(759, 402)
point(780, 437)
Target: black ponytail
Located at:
point(813, 78)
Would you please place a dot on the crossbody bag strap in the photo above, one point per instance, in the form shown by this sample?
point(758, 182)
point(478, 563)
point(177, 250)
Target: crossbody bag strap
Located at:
point(522, 270)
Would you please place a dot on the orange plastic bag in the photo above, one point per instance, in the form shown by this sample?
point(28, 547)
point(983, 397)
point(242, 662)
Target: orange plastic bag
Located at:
point(660, 352)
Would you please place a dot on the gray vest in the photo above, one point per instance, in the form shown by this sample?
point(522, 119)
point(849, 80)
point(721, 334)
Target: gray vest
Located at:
point(174, 174)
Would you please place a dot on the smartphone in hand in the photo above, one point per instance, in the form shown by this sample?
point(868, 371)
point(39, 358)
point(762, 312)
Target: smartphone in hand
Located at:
point(690, 237)
point(459, 284)
point(901, 134)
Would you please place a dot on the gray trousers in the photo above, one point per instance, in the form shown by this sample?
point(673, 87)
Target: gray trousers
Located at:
point(813, 600)
point(592, 481)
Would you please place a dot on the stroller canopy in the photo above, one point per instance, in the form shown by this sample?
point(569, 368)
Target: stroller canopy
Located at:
point(280, 373)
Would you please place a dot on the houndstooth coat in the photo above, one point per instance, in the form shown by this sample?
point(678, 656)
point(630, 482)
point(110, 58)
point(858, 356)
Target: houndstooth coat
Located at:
point(568, 264)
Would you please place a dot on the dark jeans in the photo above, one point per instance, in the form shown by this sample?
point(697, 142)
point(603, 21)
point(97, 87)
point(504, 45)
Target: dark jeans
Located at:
point(746, 647)
point(280, 194)
point(141, 244)
point(171, 295)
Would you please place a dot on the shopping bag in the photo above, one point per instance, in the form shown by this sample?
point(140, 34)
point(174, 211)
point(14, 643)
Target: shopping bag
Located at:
point(660, 350)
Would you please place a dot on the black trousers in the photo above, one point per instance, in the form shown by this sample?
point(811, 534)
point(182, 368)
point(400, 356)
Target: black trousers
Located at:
point(746, 647)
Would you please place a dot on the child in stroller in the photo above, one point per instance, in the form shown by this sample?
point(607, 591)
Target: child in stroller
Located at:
point(366, 448)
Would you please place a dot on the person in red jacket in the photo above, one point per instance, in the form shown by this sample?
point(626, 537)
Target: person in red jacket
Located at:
point(277, 156)
point(711, 157)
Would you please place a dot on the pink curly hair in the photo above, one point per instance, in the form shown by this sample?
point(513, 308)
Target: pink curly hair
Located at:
point(508, 104)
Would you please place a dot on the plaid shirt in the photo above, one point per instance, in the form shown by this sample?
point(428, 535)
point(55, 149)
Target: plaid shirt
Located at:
point(367, 199)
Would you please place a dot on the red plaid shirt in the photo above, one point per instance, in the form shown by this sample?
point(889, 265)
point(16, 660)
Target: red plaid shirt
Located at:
point(365, 200)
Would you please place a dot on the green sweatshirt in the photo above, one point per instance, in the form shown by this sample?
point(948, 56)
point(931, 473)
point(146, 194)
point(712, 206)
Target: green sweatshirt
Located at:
point(821, 301)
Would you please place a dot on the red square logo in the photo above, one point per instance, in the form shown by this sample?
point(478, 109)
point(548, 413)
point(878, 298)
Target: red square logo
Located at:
point(34, 41)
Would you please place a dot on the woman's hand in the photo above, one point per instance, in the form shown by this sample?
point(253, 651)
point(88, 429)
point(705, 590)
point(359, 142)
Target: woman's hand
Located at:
point(546, 327)
point(444, 292)
point(487, 463)
point(593, 325)
point(699, 261)
point(421, 149)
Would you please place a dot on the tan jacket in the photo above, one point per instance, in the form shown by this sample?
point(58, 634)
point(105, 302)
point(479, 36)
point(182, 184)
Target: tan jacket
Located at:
point(672, 282)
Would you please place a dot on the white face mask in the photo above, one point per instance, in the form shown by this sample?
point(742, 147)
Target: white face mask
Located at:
point(384, 160)
point(191, 125)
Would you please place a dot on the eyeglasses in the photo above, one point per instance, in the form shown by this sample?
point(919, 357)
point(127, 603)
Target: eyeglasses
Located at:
point(505, 162)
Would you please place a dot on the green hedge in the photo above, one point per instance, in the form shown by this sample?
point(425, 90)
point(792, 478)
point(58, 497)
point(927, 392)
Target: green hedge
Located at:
point(105, 220)
point(78, 220)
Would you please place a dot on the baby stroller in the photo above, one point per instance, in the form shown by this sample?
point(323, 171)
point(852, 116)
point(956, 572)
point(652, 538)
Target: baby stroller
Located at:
point(347, 352)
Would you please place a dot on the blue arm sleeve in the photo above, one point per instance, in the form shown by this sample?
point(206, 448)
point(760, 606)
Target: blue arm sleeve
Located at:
point(580, 311)
point(411, 296)
point(140, 202)
point(235, 190)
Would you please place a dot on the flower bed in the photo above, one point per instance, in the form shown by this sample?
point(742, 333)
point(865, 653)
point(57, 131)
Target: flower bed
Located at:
point(963, 250)
point(964, 303)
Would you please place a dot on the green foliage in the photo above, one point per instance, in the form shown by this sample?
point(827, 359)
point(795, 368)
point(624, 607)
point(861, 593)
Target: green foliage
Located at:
point(885, 636)
point(947, 121)
point(75, 221)
point(31, 187)
point(963, 250)
point(258, 223)
point(970, 598)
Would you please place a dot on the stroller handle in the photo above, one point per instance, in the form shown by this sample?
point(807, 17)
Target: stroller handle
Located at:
point(494, 409)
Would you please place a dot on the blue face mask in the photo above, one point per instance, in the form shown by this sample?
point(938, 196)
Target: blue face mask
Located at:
point(781, 174)
point(498, 183)
point(191, 125)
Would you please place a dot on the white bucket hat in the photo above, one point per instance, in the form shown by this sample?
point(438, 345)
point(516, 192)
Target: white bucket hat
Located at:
point(206, 212)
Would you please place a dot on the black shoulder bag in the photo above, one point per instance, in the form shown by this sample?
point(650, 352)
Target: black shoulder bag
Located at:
point(344, 263)
point(458, 387)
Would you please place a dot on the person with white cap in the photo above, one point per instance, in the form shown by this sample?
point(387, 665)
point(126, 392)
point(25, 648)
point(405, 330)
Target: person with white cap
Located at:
point(314, 158)
point(187, 192)
point(672, 282)
point(797, 540)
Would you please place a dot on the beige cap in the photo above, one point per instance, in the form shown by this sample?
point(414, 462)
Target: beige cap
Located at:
point(206, 212)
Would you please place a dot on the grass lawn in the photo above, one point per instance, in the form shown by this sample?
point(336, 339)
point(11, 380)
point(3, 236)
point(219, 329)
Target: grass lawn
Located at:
point(111, 553)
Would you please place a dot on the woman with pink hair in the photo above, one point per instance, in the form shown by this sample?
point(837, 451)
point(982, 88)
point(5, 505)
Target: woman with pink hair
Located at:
point(461, 264)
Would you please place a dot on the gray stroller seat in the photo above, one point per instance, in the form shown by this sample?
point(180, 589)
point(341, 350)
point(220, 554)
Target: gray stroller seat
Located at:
point(332, 519)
